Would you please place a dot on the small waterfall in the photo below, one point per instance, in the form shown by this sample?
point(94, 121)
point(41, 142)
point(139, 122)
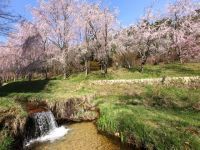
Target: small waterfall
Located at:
point(42, 126)
point(44, 123)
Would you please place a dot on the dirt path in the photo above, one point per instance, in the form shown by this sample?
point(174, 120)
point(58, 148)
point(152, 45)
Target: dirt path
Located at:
point(164, 80)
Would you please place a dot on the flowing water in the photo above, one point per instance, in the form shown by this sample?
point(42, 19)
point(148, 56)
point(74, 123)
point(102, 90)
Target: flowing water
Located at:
point(81, 136)
point(43, 133)
point(42, 127)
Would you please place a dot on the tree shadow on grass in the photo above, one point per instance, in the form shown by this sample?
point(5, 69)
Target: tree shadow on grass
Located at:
point(182, 69)
point(148, 71)
point(179, 69)
point(156, 72)
point(23, 87)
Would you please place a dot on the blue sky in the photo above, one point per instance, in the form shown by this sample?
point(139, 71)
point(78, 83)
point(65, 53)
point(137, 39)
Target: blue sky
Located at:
point(130, 10)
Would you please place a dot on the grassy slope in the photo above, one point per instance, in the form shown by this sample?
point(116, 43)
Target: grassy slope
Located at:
point(162, 117)
point(153, 115)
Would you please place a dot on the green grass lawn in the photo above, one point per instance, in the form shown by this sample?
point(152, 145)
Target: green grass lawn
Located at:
point(160, 116)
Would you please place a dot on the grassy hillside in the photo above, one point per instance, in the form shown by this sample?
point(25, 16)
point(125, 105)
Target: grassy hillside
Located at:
point(152, 115)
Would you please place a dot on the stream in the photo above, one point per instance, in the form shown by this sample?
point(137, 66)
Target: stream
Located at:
point(80, 136)
point(43, 133)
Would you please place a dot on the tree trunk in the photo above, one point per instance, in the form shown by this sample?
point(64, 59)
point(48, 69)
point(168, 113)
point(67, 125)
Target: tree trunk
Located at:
point(128, 64)
point(1, 81)
point(143, 62)
point(141, 68)
point(179, 55)
point(105, 68)
point(29, 76)
point(46, 74)
point(102, 67)
point(65, 75)
point(17, 76)
point(87, 67)
point(65, 72)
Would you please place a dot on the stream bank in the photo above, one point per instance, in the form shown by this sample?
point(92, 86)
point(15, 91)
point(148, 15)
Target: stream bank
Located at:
point(74, 110)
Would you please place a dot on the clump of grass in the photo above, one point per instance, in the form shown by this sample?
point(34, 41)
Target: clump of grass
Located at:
point(172, 96)
point(163, 118)
point(6, 141)
point(150, 127)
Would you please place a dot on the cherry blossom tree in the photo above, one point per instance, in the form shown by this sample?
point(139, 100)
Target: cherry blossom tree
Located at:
point(5, 64)
point(101, 25)
point(144, 37)
point(96, 26)
point(86, 16)
point(183, 26)
point(108, 22)
point(25, 50)
point(65, 33)
point(154, 34)
point(122, 46)
point(58, 20)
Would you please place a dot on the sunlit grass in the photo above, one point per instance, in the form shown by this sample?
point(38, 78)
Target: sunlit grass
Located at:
point(161, 122)
point(161, 116)
point(150, 71)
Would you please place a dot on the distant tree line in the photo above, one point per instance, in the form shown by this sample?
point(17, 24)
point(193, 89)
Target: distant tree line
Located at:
point(65, 36)
point(173, 35)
